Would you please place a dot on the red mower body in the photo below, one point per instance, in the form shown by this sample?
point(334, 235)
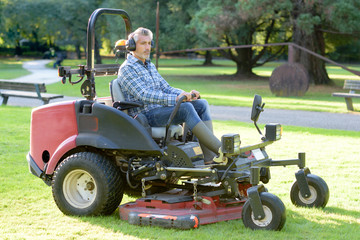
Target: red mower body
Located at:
point(53, 133)
point(59, 129)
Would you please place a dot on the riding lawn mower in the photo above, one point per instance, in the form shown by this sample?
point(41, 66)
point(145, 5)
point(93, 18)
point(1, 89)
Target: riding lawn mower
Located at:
point(91, 152)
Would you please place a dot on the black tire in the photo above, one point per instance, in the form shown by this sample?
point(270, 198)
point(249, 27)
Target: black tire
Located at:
point(275, 213)
point(319, 193)
point(87, 184)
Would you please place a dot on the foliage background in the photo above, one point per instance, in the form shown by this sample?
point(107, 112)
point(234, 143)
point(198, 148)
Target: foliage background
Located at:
point(330, 27)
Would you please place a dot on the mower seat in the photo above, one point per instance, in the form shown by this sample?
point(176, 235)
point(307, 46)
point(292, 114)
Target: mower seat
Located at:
point(156, 132)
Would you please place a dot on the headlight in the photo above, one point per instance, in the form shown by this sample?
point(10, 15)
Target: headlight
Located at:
point(273, 131)
point(230, 143)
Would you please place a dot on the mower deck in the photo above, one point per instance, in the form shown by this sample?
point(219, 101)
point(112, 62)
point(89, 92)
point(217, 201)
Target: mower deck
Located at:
point(174, 210)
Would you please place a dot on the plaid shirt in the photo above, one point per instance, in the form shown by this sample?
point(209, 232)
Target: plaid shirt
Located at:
point(142, 82)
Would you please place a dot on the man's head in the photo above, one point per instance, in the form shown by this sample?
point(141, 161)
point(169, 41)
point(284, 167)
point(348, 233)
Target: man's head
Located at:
point(140, 43)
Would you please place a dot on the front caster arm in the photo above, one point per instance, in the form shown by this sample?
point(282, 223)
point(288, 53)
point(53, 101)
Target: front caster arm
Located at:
point(302, 182)
point(255, 201)
point(300, 161)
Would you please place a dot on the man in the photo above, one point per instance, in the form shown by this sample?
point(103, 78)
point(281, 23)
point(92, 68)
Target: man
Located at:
point(140, 81)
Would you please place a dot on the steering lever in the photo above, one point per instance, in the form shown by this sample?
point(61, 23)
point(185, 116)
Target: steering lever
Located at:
point(172, 115)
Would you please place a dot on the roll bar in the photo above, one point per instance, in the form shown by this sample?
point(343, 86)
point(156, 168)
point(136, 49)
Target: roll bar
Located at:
point(91, 70)
point(91, 30)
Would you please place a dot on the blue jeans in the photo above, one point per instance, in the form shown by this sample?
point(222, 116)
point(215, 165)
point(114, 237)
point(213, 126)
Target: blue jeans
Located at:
point(189, 112)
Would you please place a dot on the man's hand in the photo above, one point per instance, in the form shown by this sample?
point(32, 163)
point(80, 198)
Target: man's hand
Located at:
point(187, 94)
point(196, 93)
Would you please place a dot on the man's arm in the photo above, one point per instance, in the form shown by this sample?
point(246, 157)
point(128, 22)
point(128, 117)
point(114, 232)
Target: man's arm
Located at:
point(171, 90)
point(135, 85)
point(165, 86)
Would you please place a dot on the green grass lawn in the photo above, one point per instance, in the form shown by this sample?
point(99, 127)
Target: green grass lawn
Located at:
point(27, 210)
point(11, 68)
point(189, 74)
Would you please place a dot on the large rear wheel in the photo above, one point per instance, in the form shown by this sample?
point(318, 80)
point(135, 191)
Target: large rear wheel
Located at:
point(87, 183)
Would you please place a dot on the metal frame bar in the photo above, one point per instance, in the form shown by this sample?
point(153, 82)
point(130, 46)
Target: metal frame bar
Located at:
point(91, 30)
point(91, 41)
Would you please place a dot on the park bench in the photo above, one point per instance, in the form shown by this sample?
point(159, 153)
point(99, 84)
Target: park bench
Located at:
point(25, 90)
point(352, 85)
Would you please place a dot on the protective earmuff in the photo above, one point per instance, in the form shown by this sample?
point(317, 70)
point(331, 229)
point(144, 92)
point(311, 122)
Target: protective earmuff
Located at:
point(131, 44)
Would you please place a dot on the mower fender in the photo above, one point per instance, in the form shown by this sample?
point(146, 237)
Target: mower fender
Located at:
point(105, 127)
point(255, 201)
point(96, 140)
point(64, 147)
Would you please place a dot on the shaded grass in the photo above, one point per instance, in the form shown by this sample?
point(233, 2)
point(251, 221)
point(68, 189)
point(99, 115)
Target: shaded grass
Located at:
point(27, 210)
point(11, 68)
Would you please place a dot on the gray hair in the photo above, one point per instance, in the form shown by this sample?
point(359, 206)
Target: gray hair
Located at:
point(141, 31)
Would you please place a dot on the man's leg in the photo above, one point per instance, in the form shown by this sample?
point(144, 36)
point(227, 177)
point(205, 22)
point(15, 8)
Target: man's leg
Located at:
point(189, 112)
point(208, 140)
point(208, 154)
point(202, 108)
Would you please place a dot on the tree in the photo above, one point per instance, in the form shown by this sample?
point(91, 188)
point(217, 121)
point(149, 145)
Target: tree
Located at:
point(48, 22)
point(12, 23)
point(226, 23)
point(73, 16)
point(177, 14)
point(2, 25)
point(180, 13)
point(307, 23)
point(313, 24)
point(174, 15)
point(311, 20)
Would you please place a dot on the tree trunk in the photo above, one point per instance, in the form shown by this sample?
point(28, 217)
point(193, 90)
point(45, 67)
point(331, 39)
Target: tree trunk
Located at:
point(313, 41)
point(18, 50)
point(37, 45)
point(49, 41)
point(243, 59)
point(208, 59)
point(97, 52)
point(78, 50)
point(244, 70)
point(315, 66)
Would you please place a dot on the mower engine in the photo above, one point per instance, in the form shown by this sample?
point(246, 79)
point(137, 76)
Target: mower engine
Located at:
point(180, 154)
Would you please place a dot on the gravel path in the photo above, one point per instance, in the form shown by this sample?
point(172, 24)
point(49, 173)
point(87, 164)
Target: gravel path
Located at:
point(342, 121)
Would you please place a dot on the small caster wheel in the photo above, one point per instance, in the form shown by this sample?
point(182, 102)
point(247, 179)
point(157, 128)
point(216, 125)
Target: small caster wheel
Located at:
point(275, 213)
point(318, 189)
